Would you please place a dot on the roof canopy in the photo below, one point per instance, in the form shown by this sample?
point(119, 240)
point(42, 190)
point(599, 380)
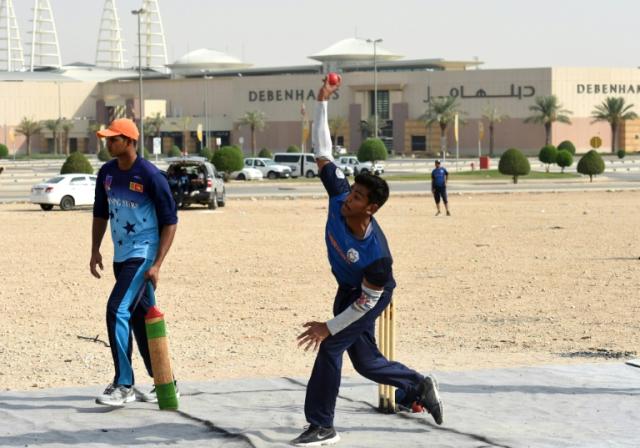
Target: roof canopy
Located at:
point(353, 49)
point(203, 60)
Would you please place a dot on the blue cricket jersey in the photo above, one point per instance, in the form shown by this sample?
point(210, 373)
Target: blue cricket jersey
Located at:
point(439, 177)
point(351, 258)
point(137, 203)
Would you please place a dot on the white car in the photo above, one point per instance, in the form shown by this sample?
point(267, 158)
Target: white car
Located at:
point(268, 167)
point(358, 167)
point(65, 190)
point(247, 173)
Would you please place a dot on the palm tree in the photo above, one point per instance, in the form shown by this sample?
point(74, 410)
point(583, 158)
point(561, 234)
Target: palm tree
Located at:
point(614, 111)
point(442, 110)
point(28, 128)
point(493, 116)
point(54, 127)
point(256, 121)
point(336, 125)
point(67, 125)
point(94, 127)
point(548, 110)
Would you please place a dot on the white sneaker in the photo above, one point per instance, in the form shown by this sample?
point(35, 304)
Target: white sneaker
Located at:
point(151, 397)
point(116, 395)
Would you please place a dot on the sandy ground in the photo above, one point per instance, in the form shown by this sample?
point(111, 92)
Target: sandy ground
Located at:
point(512, 279)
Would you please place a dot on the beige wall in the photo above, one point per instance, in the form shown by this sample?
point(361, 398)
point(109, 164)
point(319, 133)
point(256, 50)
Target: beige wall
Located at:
point(280, 97)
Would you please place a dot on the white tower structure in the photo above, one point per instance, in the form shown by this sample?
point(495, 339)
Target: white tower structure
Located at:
point(11, 54)
point(153, 43)
point(45, 50)
point(109, 51)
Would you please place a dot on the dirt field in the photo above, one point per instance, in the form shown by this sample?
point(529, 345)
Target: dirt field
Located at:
point(509, 280)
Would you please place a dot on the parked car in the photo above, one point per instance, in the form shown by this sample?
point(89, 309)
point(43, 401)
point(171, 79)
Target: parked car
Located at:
point(339, 150)
point(65, 190)
point(268, 167)
point(294, 159)
point(246, 173)
point(358, 167)
point(194, 180)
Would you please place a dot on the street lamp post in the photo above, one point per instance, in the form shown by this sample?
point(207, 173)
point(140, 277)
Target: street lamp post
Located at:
point(206, 112)
point(139, 12)
point(375, 84)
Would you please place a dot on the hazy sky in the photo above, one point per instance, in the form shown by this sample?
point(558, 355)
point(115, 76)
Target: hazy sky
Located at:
point(502, 33)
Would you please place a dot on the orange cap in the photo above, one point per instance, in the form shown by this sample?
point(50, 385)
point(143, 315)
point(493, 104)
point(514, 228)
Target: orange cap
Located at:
point(121, 126)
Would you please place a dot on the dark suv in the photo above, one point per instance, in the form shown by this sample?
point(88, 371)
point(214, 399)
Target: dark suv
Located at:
point(193, 180)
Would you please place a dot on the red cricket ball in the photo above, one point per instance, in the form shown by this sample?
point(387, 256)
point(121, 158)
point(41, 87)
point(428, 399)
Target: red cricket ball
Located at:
point(333, 78)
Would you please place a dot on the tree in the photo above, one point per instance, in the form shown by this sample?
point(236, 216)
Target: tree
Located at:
point(514, 163)
point(591, 164)
point(614, 111)
point(493, 116)
point(152, 128)
point(566, 144)
point(94, 127)
point(548, 155)
point(548, 110)
point(336, 125)
point(442, 111)
point(264, 152)
point(293, 148)
point(228, 159)
point(76, 163)
point(372, 150)
point(54, 127)
point(256, 121)
point(4, 151)
point(28, 128)
point(564, 159)
point(368, 127)
point(67, 125)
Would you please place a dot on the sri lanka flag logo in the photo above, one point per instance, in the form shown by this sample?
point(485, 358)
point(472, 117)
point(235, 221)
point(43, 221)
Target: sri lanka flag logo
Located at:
point(135, 186)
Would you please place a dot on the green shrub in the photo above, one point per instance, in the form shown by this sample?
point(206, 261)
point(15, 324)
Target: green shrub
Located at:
point(147, 154)
point(76, 163)
point(264, 152)
point(621, 153)
point(547, 155)
point(564, 159)
point(175, 151)
point(371, 150)
point(591, 164)
point(514, 163)
point(104, 155)
point(4, 151)
point(206, 153)
point(228, 159)
point(567, 145)
point(293, 148)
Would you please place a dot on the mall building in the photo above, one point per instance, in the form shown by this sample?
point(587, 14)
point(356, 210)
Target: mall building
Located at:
point(210, 90)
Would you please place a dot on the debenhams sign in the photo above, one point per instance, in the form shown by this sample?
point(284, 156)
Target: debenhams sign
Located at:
point(280, 95)
point(596, 89)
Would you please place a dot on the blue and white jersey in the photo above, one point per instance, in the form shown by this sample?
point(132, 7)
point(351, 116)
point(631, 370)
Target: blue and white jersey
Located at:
point(351, 258)
point(439, 177)
point(137, 203)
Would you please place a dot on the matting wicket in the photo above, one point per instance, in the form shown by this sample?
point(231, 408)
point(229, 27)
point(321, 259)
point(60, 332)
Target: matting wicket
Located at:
point(387, 346)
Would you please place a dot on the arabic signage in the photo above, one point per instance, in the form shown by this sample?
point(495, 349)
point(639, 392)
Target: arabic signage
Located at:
point(515, 91)
point(280, 95)
point(596, 89)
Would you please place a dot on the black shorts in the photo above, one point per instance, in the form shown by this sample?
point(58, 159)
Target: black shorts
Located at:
point(440, 192)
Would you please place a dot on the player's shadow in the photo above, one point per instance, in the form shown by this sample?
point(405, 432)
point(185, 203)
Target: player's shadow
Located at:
point(151, 435)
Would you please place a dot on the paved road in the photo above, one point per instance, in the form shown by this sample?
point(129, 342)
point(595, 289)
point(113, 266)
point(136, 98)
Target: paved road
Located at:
point(18, 177)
